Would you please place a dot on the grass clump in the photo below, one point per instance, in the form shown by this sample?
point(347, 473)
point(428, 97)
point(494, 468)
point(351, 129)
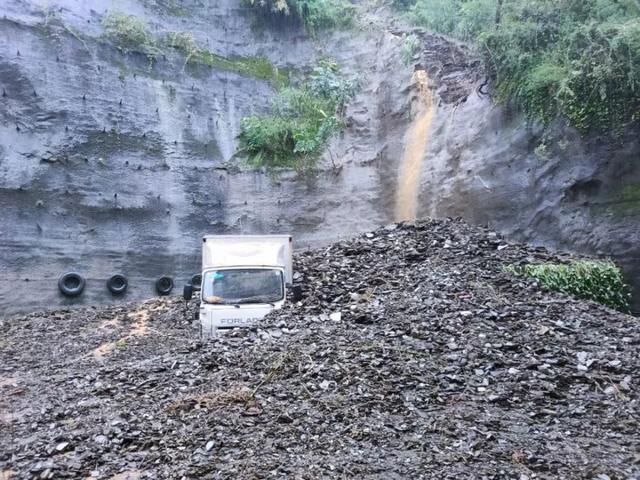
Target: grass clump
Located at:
point(409, 47)
point(314, 15)
point(578, 59)
point(624, 202)
point(600, 281)
point(183, 41)
point(301, 121)
point(257, 67)
point(129, 33)
point(630, 194)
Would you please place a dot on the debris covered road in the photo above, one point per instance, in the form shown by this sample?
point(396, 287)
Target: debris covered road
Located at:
point(414, 354)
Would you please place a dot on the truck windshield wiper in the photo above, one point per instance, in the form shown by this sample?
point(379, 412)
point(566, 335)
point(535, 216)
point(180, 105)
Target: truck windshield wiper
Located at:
point(257, 299)
point(236, 302)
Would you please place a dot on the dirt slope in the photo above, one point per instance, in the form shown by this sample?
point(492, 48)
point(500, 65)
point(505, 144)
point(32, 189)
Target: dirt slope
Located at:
point(413, 355)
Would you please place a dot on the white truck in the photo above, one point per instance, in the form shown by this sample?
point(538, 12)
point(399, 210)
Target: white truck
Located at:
point(244, 277)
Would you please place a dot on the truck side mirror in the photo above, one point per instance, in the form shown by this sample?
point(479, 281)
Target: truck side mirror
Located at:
point(187, 293)
point(296, 293)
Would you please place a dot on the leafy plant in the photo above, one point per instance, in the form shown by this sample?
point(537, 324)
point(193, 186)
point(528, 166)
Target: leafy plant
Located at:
point(129, 33)
point(436, 15)
point(257, 67)
point(409, 47)
point(601, 281)
point(183, 41)
point(132, 34)
point(403, 4)
point(325, 82)
point(314, 15)
point(570, 58)
point(301, 121)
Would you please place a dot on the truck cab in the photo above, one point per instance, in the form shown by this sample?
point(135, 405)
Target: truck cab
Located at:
point(244, 277)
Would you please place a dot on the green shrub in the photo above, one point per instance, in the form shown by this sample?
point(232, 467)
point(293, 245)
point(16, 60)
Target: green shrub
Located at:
point(600, 281)
point(403, 4)
point(257, 67)
point(437, 15)
point(325, 81)
point(569, 58)
point(475, 16)
point(409, 47)
point(183, 41)
point(129, 33)
point(292, 136)
point(314, 15)
point(301, 121)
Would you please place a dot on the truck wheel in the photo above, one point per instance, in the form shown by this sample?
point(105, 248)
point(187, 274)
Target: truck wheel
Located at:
point(71, 284)
point(164, 285)
point(117, 284)
point(196, 281)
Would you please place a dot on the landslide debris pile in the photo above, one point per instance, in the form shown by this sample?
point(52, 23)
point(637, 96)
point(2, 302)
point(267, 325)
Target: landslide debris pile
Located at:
point(413, 355)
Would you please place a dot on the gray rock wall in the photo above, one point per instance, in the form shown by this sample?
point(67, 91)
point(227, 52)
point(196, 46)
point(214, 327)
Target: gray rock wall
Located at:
point(550, 187)
point(116, 164)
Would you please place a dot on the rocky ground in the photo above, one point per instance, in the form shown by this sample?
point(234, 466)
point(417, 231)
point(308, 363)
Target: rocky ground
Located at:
point(413, 355)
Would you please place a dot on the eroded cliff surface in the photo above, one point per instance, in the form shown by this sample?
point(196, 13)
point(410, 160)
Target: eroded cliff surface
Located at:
point(112, 163)
point(548, 186)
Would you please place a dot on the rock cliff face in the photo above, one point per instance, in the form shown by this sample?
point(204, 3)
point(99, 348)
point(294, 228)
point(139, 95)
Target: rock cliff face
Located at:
point(552, 188)
point(112, 163)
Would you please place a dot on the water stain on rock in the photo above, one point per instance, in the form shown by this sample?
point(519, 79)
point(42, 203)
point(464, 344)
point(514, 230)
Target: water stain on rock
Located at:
point(414, 149)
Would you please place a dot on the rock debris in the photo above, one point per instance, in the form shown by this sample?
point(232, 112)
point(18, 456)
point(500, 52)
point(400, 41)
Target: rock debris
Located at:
point(414, 354)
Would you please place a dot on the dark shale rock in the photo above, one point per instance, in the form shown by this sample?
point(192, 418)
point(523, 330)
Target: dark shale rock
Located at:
point(445, 367)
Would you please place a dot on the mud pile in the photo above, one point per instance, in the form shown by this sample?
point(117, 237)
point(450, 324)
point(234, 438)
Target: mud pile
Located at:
point(413, 355)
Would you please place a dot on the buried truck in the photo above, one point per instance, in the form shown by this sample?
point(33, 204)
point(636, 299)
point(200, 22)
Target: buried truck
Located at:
point(244, 277)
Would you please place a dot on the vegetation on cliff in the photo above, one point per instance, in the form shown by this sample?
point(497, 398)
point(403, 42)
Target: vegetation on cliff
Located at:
point(302, 120)
point(132, 34)
point(578, 59)
point(129, 33)
point(257, 67)
point(314, 15)
point(600, 281)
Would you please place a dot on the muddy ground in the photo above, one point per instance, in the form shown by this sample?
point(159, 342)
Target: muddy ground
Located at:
point(413, 355)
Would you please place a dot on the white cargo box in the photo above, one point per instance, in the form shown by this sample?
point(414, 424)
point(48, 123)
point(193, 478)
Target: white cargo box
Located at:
point(250, 251)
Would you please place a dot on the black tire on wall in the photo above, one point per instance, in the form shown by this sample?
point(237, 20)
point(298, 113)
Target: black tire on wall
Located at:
point(164, 285)
point(117, 284)
point(196, 281)
point(71, 284)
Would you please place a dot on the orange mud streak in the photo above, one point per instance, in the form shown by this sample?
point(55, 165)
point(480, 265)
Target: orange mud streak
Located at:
point(415, 146)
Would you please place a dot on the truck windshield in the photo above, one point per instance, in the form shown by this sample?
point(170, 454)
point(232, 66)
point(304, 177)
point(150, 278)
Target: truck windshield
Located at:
point(246, 285)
